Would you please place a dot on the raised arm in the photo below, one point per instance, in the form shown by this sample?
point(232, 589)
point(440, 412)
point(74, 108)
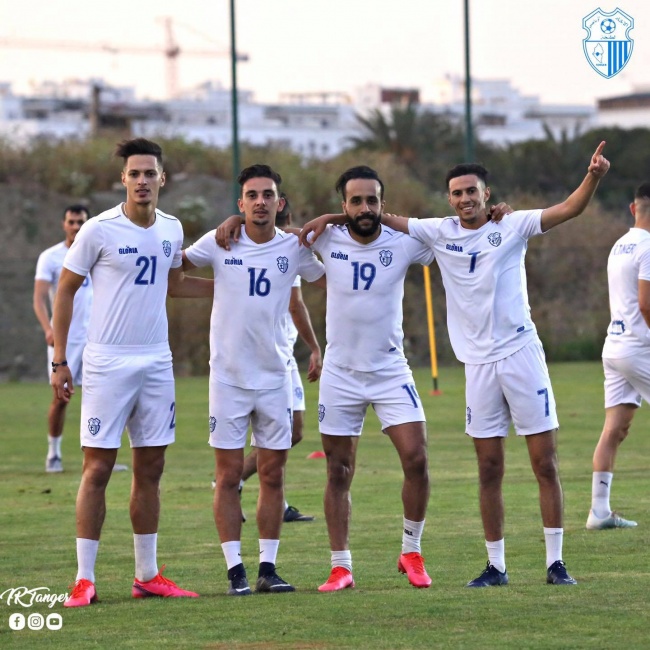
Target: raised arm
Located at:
point(316, 227)
point(575, 204)
point(69, 283)
point(302, 321)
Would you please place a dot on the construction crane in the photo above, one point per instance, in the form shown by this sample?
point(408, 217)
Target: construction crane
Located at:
point(171, 50)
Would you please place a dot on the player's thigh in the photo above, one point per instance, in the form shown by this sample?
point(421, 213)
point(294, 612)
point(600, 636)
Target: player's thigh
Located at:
point(393, 396)
point(152, 422)
point(297, 390)
point(111, 384)
point(527, 388)
point(230, 409)
point(486, 414)
point(272, 418)
point(627, 381)
point(341, 402)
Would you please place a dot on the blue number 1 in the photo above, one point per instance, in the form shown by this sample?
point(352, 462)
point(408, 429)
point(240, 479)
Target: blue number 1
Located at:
point(544, 391)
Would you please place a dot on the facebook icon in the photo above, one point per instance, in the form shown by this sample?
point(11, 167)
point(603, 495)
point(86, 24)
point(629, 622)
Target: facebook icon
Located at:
point(16, 621)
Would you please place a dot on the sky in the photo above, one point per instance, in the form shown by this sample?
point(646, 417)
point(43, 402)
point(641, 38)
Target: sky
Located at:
point(322, 45)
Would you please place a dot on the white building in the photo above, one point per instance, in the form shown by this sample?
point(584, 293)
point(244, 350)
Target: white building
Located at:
point(502, 115)
point(319, 125)
point(626, 111)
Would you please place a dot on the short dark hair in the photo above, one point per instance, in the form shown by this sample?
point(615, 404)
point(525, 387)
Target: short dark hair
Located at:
point(362, 171)
point(643, 191)
point(76, 208)
point(467, 169)
point(282, 216)
point(138, 147)
point(258, 171)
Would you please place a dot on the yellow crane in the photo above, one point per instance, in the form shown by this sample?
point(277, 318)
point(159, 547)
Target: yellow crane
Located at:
point(171, 50)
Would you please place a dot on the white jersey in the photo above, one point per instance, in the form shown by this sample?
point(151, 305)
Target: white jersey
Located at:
point(365, 289)
point(289, 327)
point(488, 316)
point(48, 268)
point(129, 267)
point(629, 262)
point(252, 288)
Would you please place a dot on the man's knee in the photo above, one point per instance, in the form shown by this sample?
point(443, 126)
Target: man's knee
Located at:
point(491, 469)
point(97, 471)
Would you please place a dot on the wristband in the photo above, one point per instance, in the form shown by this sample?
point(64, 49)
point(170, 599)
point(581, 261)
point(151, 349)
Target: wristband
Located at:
point(56, 365)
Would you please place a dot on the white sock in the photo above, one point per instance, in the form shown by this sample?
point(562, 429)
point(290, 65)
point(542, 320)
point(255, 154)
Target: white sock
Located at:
point(241, 484)
point(269, 550)
point(601, 487)
point(412, 536)
point(286, 505)
point(86, 557)
point(146, 564)
point(554, 538)
point(497, 554)
point(232, 553)
point(342, 559)
point(53, 446)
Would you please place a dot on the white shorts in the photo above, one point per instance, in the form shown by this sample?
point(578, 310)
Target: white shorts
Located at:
point(127, 386)
point(297, 391)
point(269, 413)
point(516, 389)
point(627, 381)
point(74, 357)
point(346, 394)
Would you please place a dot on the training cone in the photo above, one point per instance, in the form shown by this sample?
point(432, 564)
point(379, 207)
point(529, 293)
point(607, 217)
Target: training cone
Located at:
point(317, 454)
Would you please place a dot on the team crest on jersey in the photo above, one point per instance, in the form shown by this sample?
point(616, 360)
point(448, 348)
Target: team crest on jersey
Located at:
point(495, 238)
point(321, 412)
point(298, 392)
point(283, 264)
point(94, 425)
point(167, 248)
point(469, 415)
point(385, 257)
point(213, 423)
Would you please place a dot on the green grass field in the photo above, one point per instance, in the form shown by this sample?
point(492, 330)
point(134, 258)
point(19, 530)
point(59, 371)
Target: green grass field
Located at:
point(608, 608)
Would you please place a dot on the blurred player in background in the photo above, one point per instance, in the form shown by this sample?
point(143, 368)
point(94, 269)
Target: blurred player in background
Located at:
point(48, 269)
point(626, 355)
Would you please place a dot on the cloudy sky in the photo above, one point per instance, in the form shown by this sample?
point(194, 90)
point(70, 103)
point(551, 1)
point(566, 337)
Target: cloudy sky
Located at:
point(322, 45)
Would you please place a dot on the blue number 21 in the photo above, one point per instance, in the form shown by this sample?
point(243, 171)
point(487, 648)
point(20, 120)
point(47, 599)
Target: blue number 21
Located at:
point(145, 263)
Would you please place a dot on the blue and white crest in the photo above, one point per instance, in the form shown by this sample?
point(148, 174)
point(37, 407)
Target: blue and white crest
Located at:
point(608, 46)
point(321, 412)
point(167, 248)
point(495, 238)
point(469, 415)
point(385, 257)
point(94, 425)
point(298, 392)
point(213, 423)
point(283, 264)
